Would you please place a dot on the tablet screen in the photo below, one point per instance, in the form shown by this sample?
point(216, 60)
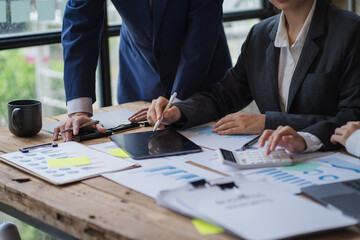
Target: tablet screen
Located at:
point(160, 143)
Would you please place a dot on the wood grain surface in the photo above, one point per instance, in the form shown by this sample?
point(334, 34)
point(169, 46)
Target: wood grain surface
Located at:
point(98, 208)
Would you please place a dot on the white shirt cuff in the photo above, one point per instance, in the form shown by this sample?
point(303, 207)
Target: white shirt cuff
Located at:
point(352, 144)
point(313, 143)
point(83, 104)
point(177, 100)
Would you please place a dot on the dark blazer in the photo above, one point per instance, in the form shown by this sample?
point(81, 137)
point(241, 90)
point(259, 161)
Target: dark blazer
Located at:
point(325, 88)
point(178, 46)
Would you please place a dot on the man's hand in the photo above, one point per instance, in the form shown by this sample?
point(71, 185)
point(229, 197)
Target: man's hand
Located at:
point(343, 133)
point(139, 115)
point(285, 137)
point(240, 123)
point(156, 109)
point(74, 121)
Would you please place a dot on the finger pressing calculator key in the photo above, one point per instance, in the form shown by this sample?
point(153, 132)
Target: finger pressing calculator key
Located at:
point(254, 158)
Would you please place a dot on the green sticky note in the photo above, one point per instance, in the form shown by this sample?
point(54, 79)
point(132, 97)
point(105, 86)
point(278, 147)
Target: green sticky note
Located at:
point(206, 228)
point(46, 10)
point(119, 152)
point(302, 167)
point(68, 162)
point(20, 11)
point(2, 11)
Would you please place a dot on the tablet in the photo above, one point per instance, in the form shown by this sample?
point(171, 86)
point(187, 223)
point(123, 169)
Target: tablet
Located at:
point(160, 143)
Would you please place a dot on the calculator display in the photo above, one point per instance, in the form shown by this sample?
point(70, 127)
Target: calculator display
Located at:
point(228, 155)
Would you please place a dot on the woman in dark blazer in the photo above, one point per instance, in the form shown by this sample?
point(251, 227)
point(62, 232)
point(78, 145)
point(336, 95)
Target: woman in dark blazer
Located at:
point(301, 67)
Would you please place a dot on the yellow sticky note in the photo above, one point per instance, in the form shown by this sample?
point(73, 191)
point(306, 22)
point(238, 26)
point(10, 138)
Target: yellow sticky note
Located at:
point(119, 152)
point(68, 162)
point(206, 228)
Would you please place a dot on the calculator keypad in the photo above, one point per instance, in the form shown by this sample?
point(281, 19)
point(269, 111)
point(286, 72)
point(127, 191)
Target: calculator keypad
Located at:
point(258, 158)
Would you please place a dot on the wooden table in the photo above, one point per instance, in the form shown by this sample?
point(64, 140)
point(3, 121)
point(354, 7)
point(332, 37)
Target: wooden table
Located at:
point(96, 208)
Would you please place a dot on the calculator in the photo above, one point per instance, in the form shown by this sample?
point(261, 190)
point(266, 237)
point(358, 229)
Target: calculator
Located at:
point(254, 158)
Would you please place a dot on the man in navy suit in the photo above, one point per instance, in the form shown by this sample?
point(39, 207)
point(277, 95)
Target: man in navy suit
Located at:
point(166, 46)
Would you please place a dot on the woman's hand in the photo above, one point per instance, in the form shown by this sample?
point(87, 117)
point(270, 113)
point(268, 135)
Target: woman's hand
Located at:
point(343, 133)
point(285, 137)
point(240, 123)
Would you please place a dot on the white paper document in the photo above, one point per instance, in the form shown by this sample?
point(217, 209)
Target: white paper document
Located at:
point(156, 175)
point(202, 135)
point(254, 210)
point(336, 167)
point(35, 162)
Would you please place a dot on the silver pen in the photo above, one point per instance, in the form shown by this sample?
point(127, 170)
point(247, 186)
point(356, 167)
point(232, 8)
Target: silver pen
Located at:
point(172, 98)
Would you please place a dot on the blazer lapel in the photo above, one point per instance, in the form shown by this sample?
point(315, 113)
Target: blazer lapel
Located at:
point(310, 50)
point(272, 66)
point(159, 7)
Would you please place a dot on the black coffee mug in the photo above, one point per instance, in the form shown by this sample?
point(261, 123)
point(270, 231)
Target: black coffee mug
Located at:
point(25, 118)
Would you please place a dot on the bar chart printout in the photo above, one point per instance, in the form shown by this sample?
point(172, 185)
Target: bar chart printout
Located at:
point(327, 169)
point(150, 180)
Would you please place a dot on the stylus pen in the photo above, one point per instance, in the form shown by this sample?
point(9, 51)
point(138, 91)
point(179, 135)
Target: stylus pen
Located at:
point(251, 142)
point(172, 98)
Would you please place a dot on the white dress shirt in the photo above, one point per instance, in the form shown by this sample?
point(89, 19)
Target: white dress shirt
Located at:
point(352, 144)
point(289, 57)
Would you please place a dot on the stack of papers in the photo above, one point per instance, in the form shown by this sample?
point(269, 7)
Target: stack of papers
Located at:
point(69, 162)
point(254, 210)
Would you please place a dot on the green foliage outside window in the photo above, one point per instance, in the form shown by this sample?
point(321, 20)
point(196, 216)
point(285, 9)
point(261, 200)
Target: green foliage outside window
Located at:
point(17, 80)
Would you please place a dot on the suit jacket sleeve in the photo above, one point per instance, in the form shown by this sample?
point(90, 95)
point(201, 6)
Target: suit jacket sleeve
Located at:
point(203, 31)
point(349, 99)
point(81, 40)
point(231, 94)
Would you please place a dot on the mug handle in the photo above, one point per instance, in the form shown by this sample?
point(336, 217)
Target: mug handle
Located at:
point(15, 119)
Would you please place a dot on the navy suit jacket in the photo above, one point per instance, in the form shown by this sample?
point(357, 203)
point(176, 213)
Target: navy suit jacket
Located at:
point(325, 88)
point(178, 46)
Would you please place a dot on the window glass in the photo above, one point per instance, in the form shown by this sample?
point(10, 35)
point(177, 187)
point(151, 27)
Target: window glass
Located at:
point(32, 73)
point(114, 66)
point(113, 15)
point(27, 232)
point(236, 33)
point(241, 5)
point(30, 16)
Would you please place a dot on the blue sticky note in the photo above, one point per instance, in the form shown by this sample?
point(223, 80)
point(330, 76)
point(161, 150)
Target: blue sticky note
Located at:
point(45, 10)
point(2, 11)
point(20, 11)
